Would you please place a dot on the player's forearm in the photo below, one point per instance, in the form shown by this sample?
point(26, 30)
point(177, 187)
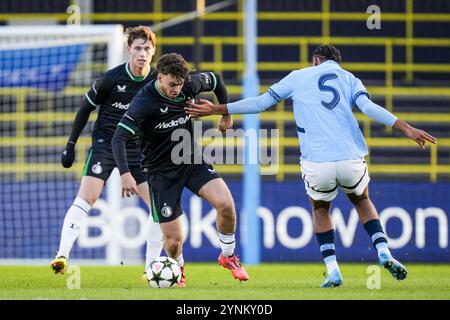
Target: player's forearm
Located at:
point(375, 111)
point(251, 105)
point(220, 109)
point(119, 149)
point(402, 126)
point(80, 121)
point(221, 90)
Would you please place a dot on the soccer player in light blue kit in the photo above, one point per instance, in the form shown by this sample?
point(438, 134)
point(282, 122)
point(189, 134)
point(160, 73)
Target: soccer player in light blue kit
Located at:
point(332, 146)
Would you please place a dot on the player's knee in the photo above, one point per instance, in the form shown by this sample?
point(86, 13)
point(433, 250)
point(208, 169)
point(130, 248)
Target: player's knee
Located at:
point(225, 208)
point(321, 206)
point(357, 199)
point(173, 239)
point(173, 243)
point(89, 198)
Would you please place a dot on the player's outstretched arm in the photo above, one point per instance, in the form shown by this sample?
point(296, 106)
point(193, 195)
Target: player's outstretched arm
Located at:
point(82, 117)
point(382, 115)
point(249, 105)
point(415, 134)
point(203, 108)
point(118, 144)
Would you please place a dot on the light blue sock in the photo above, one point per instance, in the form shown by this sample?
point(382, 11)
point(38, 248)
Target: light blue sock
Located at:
point(331, 264)
point(383, 249)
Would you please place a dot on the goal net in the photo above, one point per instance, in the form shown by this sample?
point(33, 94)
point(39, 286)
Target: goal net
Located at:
point(44, 74)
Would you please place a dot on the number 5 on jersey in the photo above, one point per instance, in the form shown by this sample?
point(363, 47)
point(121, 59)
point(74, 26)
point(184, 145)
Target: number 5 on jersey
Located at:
point(322, 87)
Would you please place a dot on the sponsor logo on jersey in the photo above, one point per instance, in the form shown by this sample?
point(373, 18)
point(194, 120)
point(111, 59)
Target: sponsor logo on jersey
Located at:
point(173, 123)
point(164, 110)
point(121, 88)
point(166, 211)
point(121, 106)
point(97, 168)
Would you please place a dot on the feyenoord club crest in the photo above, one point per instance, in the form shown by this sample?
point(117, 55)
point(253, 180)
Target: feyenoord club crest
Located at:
point(97, 168)
point(166, 211)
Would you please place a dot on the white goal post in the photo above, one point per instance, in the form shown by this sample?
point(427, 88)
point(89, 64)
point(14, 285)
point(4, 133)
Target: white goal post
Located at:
point(32, 136)
point(33, 35)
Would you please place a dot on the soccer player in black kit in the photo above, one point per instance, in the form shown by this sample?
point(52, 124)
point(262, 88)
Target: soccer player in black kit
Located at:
point(112, 94)
point(157, 116)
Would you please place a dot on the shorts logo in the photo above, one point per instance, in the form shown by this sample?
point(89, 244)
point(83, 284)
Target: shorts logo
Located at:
point(97, 168)
point(166, 211)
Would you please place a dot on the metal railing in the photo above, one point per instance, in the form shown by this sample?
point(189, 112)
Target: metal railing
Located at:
point(20, 118)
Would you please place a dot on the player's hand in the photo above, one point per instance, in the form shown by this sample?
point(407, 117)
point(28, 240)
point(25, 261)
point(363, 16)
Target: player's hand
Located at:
point(415, 134)
point(68, 155)
point(129, 186)
point(226, 122)
point(202, 108)
point(420, 136)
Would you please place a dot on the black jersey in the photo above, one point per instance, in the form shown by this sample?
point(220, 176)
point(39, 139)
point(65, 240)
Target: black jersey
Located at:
point(112, 94)
point(154, 117)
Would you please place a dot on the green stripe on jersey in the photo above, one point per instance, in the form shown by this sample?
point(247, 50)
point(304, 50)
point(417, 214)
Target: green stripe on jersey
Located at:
point(133, 77)
point(90, 101)
point(126, 127)
point(215, 80)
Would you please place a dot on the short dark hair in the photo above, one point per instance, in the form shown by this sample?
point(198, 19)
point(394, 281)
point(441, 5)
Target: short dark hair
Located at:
point(327, 52)
point(173, 64)
point(140, 32)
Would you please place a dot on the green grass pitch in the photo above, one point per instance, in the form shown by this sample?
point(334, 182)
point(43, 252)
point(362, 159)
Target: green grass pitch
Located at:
point(207, 281)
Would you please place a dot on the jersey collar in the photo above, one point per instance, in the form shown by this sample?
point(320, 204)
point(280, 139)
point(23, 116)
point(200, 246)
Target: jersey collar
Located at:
point(181, 97)
point(136, 78)
point(330, 62)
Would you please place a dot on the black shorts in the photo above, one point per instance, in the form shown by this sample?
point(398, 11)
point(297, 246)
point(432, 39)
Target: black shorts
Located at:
point(100, 163)
point(166, 192)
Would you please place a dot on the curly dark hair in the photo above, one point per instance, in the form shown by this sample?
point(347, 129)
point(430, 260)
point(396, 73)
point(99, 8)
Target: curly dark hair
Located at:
point(327, 52)
point(173, 64)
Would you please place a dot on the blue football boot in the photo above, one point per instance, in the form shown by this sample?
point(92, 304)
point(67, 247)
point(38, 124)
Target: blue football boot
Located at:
point(333, 280)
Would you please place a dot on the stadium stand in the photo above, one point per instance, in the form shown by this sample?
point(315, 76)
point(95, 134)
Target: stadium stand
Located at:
point(405, 68)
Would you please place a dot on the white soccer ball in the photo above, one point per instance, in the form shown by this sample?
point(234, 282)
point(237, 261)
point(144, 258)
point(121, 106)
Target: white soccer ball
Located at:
point(164, 272)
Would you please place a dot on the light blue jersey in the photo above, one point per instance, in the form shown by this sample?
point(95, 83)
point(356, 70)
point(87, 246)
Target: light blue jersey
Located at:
point(323, 98)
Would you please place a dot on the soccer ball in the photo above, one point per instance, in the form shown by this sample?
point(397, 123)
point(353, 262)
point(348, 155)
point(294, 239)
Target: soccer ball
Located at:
point(164, 272)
